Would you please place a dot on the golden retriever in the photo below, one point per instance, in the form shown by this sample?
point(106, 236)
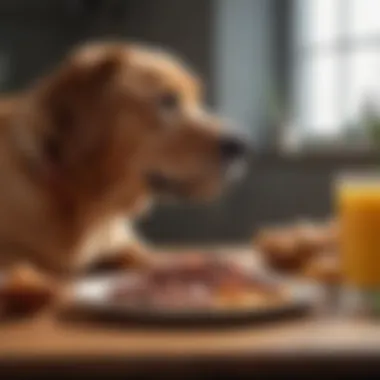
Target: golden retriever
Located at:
point(115, 127)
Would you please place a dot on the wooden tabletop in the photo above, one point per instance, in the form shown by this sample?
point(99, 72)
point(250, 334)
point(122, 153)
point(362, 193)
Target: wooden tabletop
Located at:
point(56, 339)
point(46, 340)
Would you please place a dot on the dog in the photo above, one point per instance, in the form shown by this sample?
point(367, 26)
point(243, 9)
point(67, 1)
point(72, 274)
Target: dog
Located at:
point(115, 127)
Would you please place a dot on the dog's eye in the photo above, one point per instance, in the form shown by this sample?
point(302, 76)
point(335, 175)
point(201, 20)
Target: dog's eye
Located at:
point(169, 101)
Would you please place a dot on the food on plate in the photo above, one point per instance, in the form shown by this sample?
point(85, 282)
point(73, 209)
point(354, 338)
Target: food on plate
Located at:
point(129, 258)
point(26, 290)
point(198, 283)
point(331, 234)
point(299, 248)
point(324, 268)
point(257, 293)
point(310, 238)
point(280, 249)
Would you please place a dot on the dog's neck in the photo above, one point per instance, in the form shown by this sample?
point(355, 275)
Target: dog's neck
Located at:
point(70, 194)
point(95, 194)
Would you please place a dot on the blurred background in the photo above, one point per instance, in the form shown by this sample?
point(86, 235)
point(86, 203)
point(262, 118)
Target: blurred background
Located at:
point(300, 76)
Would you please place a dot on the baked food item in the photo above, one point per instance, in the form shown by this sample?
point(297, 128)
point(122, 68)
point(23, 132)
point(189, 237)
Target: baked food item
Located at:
point(324, 268)
point(330, 233)
point(280, 248)
point(26, 290)
point(310, 238)
point(291, 249)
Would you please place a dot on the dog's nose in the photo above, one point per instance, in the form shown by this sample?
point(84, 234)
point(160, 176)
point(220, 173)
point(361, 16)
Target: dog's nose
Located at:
point(233, 147)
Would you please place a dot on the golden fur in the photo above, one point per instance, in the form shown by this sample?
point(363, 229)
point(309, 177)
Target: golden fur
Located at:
point(76, 149)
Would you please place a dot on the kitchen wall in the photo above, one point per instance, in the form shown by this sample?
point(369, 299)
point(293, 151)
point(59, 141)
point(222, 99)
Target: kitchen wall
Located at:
point(34, 35)
point(277, 189)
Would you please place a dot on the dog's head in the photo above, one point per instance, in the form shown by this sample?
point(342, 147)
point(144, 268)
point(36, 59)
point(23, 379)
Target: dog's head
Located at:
point(128, 116)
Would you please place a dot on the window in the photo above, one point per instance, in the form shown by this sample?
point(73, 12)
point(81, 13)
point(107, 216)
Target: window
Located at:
point(335, 64)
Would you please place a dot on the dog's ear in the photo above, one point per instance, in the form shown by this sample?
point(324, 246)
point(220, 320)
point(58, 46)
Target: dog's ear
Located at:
point(82, 78)
point(72, 97)
point(95, 66)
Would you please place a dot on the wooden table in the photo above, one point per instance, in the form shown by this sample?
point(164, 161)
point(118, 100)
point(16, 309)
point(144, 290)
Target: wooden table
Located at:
point(47, 344)
point(59, 342)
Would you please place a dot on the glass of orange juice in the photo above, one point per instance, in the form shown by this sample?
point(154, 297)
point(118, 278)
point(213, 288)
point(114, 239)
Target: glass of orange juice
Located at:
point(358, 208)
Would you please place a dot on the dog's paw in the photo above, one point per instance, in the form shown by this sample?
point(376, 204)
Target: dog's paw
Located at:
point(26, 290)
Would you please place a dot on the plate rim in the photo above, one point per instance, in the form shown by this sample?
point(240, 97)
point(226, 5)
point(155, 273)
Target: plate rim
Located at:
point(100, 305)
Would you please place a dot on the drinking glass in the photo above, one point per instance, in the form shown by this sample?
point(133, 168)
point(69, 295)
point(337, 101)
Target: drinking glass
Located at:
point(358, 211)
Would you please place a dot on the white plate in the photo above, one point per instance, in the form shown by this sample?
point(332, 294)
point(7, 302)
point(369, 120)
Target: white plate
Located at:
point(93, 295)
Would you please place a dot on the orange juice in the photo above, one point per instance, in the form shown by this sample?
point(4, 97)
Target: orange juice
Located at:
point(359, 215)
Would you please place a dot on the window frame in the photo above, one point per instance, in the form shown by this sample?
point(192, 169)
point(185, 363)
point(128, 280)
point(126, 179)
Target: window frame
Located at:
point(285, 15)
